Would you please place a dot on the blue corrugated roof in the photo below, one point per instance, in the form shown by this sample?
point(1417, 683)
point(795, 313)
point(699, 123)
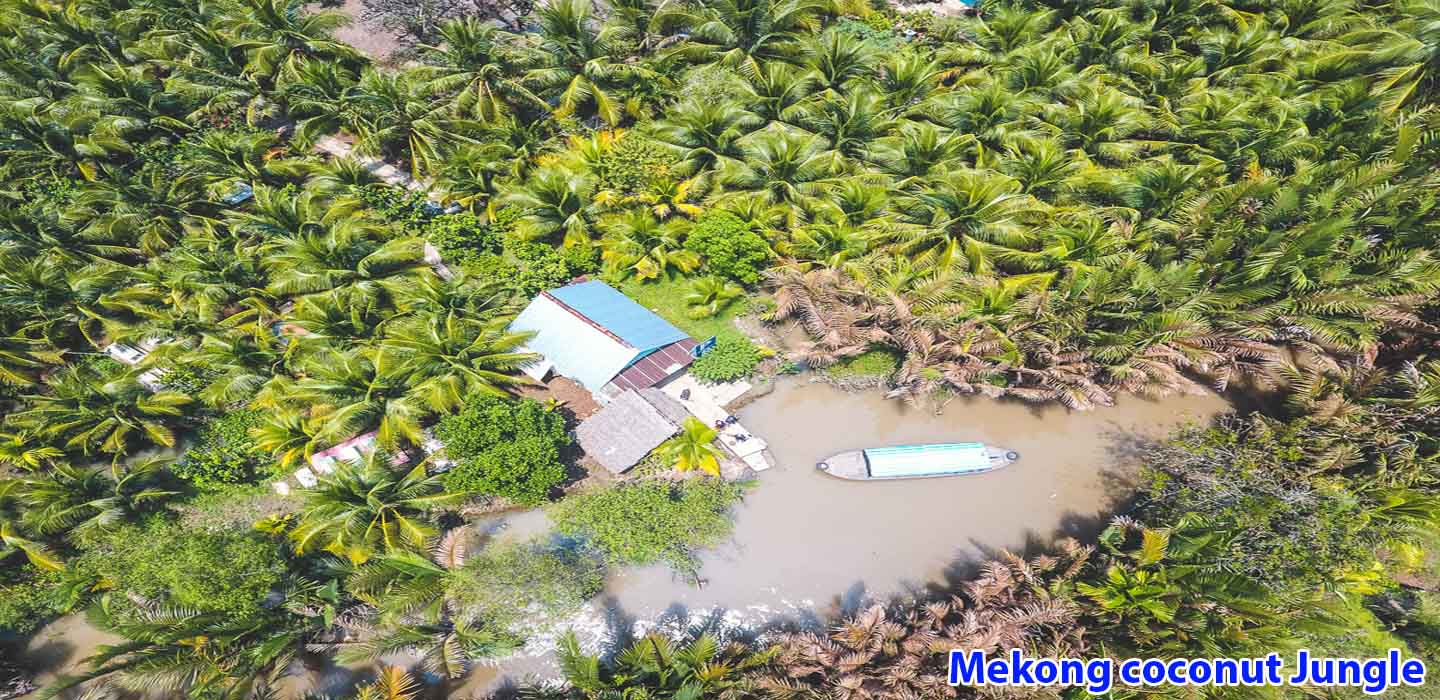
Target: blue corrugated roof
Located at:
point(619, 314)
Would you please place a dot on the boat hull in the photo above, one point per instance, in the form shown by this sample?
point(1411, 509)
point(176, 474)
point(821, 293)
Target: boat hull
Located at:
point(852, 465)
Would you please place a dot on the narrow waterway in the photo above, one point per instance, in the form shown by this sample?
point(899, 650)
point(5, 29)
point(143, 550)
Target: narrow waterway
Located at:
point(808, 546)
point(806, 543)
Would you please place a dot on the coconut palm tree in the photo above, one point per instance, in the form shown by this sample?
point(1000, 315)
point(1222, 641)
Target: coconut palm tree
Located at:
point(96, 411)
point(15, 538)
point(362, 390)
point(152, 209)
point(637, 243)
point(579, 67)
point(343, 258)
point(743, 33)
point(850, 122)
point(780, 89)
point(476, 66)
point(22, 358)
point(693, 448)
point(364, 508)
point(172, 650)
point(708, 296)
point(19, 449)
point(277, 35)
point(837, 60)
point(470, 176)
point(81, 503)
point(557, 203)
point(656, 666)
point(293, 436)
point(447, 358)
point(919, 150)
point(706, 135)
point(950, 212)
point(395, 115)
point(782, 166)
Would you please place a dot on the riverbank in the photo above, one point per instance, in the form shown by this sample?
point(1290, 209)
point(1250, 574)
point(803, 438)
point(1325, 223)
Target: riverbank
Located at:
point(808, 547)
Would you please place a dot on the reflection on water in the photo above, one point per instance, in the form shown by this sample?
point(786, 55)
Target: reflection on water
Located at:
point(808, 546)
point(804, 539)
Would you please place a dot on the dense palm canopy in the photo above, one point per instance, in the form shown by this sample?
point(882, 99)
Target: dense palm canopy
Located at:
point(1056, 202)
point(365, 508)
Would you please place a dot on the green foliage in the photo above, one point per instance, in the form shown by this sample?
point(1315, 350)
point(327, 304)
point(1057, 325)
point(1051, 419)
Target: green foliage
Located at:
point(732, 358)
point(515, 584)
point(877, 30)
point(711, 83)
point(871, 363)
point(631, 163)
point(189, 379)
point(648, 522)
point(540, 266)
point(224, 453)
point(403, 208)
point(657, 667)
point(462, 237)
point(1292, 531)
point(28, 599)
point(670, 300)
point(731, 247)
point(505, 448)
point(227, 572)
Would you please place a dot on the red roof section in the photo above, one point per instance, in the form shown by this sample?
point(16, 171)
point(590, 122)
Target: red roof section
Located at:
point(652, 369)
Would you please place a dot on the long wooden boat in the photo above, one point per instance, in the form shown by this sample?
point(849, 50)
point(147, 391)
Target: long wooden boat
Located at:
point(917, 461)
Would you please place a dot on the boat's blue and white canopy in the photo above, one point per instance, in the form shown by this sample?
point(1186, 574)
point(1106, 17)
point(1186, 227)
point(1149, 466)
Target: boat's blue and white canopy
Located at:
point(927, 460)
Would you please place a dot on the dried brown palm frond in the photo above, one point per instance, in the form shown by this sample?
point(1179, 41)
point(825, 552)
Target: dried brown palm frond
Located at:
point(449, 550)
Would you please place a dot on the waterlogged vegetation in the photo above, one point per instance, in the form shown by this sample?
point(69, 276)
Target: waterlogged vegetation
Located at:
point(1050, 202)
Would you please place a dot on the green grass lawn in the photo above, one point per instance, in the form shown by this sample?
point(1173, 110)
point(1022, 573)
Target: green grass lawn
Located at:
point(667, 298)
point(873, 363)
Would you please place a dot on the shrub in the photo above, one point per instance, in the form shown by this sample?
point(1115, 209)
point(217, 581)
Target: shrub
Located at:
point(505, 448)
point(462, 237)
point(404, 208)
point(878, 30)
point(224, 454)
point(651, 521)
point(546, 267)
point(28, 599)
point(189, 379)
point(224, 572)
point(514, 584)
point(712, 84)
point(631, 163)
point(730, 246)
point(732, 357)
point(873, 363)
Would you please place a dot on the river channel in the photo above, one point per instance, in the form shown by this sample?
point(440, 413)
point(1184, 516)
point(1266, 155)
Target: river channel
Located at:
point(807, 546)
point(807, 543)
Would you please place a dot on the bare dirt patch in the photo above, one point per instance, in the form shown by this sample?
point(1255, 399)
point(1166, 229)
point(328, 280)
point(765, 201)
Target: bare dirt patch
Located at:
point(372, 41)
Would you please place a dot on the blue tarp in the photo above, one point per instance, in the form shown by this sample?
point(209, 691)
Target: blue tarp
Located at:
point(927, 460)
point(608, 308)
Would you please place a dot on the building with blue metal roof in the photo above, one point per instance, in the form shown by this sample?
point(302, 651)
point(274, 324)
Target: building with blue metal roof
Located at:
point(604, 340)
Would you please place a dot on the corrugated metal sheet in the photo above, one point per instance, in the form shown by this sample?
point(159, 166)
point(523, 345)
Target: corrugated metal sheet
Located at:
point(624, 431)
point(657, 366)
point(619, 314)
point(578, 349)
point(927, 460)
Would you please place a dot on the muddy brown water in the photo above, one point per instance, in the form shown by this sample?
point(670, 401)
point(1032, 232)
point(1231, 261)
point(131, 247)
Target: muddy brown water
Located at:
point(808, 546)
point(806, 542)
